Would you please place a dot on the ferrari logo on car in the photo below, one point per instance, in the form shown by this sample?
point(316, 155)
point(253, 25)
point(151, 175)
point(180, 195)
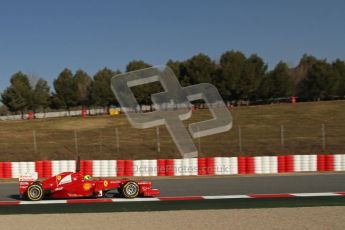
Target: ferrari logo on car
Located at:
point(106, 183)
point(58, 178)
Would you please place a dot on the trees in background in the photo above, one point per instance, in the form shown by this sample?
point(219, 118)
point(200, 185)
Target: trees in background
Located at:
point(339, 69)
point(199, 68)
point(18, 97)
point(101, 94)
point(65, 95)
point(41, 96)
point(321, 81)
point(83, 84)
point(143, 92)
point(277, 83)
point(254, 71)
point(231, 66)
point(237, 76)
point(21, 96)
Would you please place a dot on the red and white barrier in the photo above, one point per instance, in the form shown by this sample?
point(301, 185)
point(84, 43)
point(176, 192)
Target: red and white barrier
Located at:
point(55, 167)
point(180, 167)
point(225, 166)
point(339, 162)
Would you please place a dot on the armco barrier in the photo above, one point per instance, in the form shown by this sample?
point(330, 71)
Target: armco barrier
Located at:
point(181, 167)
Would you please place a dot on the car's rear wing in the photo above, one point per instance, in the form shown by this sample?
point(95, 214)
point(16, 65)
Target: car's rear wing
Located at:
point(30, 176)
point(26, 180)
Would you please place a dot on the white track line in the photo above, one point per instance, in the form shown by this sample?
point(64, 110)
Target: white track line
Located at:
point(315, 194)
point(45, 202)
point(226, 197)
point(135, 199)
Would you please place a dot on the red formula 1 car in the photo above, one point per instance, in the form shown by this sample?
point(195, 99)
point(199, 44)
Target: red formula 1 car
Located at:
point(77, 185)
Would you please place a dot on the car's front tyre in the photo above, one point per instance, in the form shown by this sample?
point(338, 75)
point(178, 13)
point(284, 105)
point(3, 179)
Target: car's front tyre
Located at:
point(130, 190)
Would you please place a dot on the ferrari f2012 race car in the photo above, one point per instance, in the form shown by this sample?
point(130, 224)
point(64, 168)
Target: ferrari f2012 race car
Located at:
point(77, 185)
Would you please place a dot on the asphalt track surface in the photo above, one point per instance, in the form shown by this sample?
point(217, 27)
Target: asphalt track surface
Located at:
point(235, 185)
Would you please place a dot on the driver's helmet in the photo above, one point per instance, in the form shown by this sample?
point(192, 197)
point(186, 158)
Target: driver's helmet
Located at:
point(87, 177)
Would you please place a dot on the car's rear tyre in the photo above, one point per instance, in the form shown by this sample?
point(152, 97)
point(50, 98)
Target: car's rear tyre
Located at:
point(34, 192)
point(130, 190)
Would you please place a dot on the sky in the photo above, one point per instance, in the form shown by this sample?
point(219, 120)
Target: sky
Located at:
point(41, 37)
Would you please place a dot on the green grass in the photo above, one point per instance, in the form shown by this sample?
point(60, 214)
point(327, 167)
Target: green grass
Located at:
point(260, 128)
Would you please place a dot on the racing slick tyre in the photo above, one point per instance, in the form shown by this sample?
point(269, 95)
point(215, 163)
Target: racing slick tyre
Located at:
point(34, 192)
point(130, 190)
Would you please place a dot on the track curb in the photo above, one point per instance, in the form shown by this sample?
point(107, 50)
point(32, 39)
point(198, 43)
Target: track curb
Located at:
point(173, 198)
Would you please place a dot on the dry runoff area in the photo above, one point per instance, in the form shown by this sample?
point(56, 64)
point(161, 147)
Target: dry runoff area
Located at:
point(277, 218)
point(303, 128)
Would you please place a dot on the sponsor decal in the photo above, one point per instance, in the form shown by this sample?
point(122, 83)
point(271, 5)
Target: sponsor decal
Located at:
point(58, 189)
point(87, 186)
point(29, 176)
point(73, 195)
